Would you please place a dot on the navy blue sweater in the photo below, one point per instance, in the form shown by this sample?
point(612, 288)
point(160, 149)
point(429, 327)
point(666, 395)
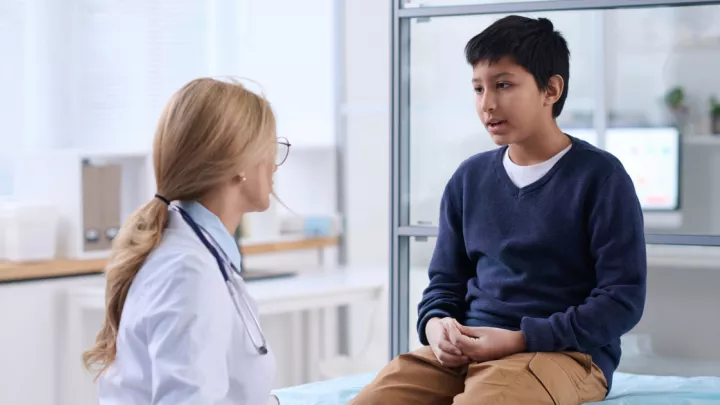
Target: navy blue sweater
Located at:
point(562, 259)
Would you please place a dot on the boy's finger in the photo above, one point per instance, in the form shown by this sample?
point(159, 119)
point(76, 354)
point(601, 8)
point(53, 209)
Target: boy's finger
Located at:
point(465, 344)
point(453, 332)
point(450, 360)
point(457, 362)
point(449, 348)
point(465, 330)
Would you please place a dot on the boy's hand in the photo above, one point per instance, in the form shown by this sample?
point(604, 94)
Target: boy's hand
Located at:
point(437, 334)
point(485, 344)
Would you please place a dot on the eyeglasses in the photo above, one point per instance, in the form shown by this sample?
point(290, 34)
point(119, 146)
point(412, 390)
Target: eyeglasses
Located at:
point(283, 150)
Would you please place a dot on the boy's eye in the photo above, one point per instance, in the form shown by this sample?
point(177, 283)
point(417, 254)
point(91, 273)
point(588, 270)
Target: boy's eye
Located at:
point(503, 85)
point(478, 89)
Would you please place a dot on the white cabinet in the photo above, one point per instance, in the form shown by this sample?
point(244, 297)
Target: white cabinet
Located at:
point(31, 316)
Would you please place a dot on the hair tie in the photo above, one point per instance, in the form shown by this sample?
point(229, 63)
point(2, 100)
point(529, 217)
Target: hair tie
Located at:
point(163, 199)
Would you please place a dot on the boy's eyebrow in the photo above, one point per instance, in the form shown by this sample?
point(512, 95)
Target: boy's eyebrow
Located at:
point(496, 76)
point(503, 74)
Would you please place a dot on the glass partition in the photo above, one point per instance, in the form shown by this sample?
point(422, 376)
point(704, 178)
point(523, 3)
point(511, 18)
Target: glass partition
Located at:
point(643, 67)
point(444, 127)
point(642, 86)
point(661, 69)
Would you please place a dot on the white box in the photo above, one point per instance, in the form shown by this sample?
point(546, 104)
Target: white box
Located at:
point(29, 231)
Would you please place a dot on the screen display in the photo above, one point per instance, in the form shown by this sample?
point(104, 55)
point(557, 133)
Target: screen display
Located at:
point(652, 158)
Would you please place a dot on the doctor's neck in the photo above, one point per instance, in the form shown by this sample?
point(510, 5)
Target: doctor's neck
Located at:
point(226, 210)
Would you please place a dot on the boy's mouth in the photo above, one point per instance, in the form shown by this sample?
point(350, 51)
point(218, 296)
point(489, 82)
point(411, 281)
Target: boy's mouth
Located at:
point(495, 124)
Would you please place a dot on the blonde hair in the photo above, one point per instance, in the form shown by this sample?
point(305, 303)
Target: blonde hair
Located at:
point(208, 132)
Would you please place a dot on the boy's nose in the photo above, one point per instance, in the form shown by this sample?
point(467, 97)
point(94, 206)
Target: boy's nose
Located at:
point(488, 102)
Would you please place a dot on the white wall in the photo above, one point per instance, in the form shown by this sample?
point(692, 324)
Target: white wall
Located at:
point(367, 115)
point(287, 47)
point(15, 80)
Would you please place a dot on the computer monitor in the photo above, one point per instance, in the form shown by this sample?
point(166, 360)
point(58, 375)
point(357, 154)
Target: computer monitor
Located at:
point(652, 158)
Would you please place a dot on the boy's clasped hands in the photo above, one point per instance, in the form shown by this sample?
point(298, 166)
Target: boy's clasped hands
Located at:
point(456, 345)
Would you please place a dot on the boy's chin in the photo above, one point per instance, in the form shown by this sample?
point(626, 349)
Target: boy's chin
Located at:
point(502, 140)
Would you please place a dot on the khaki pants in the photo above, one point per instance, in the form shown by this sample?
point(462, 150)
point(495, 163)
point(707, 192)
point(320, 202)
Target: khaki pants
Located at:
point(417, 378)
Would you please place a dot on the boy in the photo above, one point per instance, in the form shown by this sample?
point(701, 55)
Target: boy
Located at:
point(540, 263)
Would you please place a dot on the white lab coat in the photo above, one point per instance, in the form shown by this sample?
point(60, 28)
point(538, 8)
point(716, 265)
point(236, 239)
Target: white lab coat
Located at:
point(180, 340)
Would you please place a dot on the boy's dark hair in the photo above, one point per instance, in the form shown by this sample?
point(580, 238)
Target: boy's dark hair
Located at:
point(532, 44)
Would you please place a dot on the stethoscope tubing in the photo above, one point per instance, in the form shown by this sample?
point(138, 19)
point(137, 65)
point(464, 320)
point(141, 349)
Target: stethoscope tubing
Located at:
point(233, 288)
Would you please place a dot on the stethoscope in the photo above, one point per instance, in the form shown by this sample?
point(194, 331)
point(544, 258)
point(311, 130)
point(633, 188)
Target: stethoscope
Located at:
point(224, 263)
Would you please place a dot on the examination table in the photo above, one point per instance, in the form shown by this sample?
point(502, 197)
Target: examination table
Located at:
point(628, 389)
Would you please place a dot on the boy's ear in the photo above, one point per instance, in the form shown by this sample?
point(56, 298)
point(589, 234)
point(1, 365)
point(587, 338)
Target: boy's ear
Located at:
point(555, 88)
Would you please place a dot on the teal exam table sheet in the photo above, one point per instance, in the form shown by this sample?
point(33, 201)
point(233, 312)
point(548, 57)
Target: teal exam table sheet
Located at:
point(628, 389)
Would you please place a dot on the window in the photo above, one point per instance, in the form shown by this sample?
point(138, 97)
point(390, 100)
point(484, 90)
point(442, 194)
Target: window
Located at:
point(643, 85)
point(643, 91)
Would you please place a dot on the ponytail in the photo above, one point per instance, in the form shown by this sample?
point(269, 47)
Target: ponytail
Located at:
point(137, 238)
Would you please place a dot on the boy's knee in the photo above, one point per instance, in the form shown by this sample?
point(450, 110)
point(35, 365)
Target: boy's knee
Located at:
point(412, 378)
point(537, 378)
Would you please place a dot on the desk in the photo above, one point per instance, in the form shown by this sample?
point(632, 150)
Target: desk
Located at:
point(315, 296)
point(10, 271)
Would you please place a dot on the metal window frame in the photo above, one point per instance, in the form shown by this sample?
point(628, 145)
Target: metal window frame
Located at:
point(400, 228)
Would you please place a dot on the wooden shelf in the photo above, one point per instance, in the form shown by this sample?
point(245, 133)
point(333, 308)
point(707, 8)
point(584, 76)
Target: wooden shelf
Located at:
point(288, 245)
point(10, 271)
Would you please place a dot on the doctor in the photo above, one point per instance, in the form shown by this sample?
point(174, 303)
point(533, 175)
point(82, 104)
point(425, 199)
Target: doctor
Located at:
point(180, 327)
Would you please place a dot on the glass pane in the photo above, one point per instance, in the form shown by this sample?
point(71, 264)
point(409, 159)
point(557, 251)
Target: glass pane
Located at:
point(420, 255)
point(434, 3)
point(658, 70)
point(661, 69)
point(444, 127)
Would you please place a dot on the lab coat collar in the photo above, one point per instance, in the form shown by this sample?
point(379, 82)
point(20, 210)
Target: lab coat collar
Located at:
point(212, 224)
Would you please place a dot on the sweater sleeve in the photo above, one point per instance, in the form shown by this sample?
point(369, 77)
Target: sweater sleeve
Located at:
point(615, 305)
point(450, 268)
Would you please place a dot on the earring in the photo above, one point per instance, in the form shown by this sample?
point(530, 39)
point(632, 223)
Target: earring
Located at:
point(242, 177)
